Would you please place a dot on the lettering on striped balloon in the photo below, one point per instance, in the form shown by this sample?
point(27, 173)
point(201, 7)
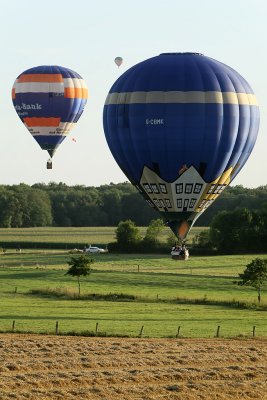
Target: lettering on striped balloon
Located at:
point(154, 121)
point(24, 106)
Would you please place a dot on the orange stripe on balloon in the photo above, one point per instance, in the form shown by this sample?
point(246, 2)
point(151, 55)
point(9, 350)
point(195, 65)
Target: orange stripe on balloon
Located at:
point(42, 121)
point(76, 93)
point(13, 93)
point(40, 78)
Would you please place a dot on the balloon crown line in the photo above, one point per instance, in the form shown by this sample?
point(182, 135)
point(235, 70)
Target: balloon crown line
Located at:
point(182, 54)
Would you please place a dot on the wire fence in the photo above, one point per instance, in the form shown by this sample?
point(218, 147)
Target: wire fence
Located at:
point(55, 328)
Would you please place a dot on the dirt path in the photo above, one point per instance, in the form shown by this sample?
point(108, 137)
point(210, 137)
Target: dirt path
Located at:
point(38, 367)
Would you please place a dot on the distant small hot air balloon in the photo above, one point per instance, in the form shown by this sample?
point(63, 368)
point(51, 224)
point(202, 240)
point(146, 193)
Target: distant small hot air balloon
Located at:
point(118, 61)
point(181, 126)
point(49, 100)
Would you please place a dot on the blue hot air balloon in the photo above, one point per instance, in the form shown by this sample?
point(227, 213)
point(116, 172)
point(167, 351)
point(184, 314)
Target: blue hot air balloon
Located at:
point(49, 101)
point(181, 126)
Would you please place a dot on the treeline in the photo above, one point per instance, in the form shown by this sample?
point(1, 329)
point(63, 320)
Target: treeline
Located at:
point(57, 204)
point(235, 232)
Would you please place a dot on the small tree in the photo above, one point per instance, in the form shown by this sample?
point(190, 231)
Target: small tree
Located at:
point(254, 275)
point(79, 266)
point(154, 230)
point(127, 234)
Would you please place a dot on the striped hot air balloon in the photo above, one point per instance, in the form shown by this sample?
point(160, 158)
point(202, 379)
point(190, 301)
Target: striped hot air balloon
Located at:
point(181, 126)
point(49, 101)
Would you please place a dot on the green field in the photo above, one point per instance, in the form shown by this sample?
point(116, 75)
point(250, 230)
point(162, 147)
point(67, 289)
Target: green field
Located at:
point(92, 235)
point(197, 295)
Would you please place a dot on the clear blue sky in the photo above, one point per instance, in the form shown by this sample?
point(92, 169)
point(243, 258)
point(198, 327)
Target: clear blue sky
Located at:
point(86, 36)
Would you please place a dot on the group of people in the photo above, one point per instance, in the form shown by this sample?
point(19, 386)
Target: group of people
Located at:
point(180, 251)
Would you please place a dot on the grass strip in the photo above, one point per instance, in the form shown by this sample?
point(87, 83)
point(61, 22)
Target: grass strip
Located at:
point(124, 297)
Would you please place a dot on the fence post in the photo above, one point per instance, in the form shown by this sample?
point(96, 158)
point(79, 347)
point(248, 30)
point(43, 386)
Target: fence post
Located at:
point(56, 327)
point(253, 332)
point(16, 289)
point(141, 331)
point(96, 328)
point(218, 331)
point(178, 331)
point(13, 326)
point(138, 268)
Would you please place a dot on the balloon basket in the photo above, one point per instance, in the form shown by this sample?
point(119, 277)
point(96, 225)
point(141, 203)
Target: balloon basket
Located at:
point(49, 165)
point(176, 256)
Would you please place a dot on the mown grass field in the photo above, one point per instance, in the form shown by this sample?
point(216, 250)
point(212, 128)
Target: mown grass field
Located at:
point(59, 368)
point(196, 295)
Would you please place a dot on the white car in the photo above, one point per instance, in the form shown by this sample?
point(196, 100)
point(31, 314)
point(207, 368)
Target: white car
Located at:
point(94, 249)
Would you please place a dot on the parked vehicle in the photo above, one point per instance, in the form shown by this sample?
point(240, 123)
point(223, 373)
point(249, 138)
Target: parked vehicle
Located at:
point(95, 249)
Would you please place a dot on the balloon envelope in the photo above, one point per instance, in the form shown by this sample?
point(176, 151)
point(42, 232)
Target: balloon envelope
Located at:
point(118, 61)
point(49, 100)
point(181, 126)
